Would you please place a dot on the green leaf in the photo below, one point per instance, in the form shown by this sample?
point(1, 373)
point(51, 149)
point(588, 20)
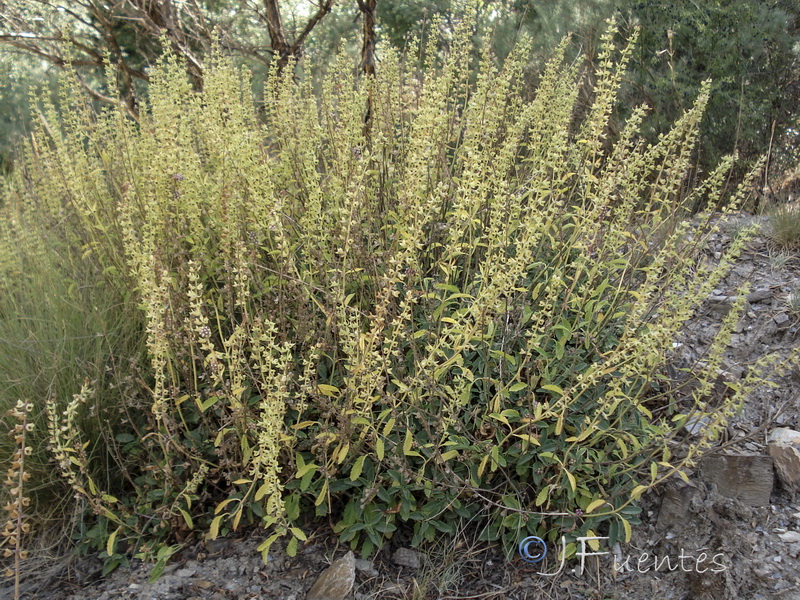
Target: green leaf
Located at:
point(303, 468)
point(306, 480)
point(638, 491)
point(528, 438)
point(594, 544)
point(343, 453)
point(594, 505)
point(355, 472)
point(407, 444)
point(223, 504)
point(291, 547)
point(623, 448)
point(262, 491)
point(328, 390)
point(627, 527)
point(447, 287)
point(560, 424)
point(499, 417)
point(571, 478)
point(379, 449)
point(158, 569)
point(213, 530)
point(583, 435)
point(110, 565)
point(498, 460)
point(111, 542)
point(208, 403)
point(266, 544)
point(187, 518)
point(550, 387)
point(449, 454)
point(323, 493)
point(482, 466)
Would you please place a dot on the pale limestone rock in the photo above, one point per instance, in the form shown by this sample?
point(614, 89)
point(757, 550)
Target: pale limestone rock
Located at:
point(784, 448)
point(790, 537)
point(336, 582)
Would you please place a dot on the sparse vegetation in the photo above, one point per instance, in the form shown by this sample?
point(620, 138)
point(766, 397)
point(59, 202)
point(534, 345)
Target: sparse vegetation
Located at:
point(784, 226)
point(458, 310)
point(793, 302)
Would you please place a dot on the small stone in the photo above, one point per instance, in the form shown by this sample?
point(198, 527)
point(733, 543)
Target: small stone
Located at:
point(762, 572)
point(790, 537)
point(759, 295)
point(366, 567)
point(781, 319)
point(336, 581)
point(185, 572)
point(216, 546)
point(696, 426)
point(784, 448)
point(720, 304)
point(393, 589)
point(405, 557)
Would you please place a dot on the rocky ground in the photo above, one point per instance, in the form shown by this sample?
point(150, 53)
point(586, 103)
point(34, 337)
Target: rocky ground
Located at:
point(732, 532)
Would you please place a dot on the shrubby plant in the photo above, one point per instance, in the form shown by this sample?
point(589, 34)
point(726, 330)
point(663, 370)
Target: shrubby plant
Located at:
point(784, 225)
point(17, 477)
point(457, 309)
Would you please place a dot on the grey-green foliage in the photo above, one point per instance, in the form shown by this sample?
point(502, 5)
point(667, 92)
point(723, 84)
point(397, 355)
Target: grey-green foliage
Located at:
point(18, 75)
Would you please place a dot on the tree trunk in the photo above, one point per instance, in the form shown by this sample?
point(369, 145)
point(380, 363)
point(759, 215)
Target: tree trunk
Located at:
point(367, 8)
point(276, 34)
